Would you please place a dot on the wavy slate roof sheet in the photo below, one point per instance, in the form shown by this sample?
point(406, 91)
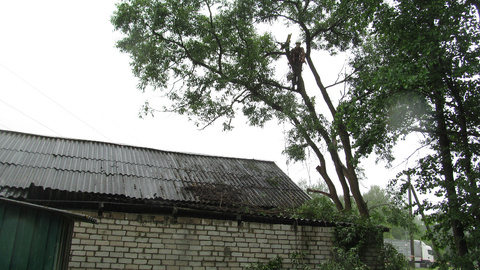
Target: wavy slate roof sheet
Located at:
point(81, 166)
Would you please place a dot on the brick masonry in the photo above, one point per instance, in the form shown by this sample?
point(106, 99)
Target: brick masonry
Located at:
point(131, 241)
point(145, 241)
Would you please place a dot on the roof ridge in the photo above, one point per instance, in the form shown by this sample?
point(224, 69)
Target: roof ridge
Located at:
point(132, 146)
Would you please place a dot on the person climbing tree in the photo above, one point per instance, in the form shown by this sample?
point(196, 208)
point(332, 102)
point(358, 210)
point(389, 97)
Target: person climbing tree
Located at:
point(297, 59)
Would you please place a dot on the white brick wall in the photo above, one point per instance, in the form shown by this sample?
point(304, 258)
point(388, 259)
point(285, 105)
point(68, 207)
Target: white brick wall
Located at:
point(131, 241)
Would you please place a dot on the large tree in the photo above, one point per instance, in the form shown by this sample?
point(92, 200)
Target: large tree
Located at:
point(419, 72)
point(223, 63)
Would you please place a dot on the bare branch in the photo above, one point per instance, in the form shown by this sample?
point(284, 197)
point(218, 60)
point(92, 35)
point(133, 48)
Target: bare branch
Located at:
point(217, 39)
point(319, 191)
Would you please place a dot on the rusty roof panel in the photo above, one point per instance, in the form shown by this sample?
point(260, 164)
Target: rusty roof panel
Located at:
point(91, 167)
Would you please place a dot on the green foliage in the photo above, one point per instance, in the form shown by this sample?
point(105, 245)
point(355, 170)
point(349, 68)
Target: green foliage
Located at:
point(416, 68)
point(350, 259)
point(390, 208)
point(393, 259)
point(385, 207)
point(418, 72)
point(352, 240)
point(277, 263)
point(344, 260)
point(274, 264)
point(318, 208)
point(356, 234)
point(212, 61)
point(298, 259)
point(212, 46)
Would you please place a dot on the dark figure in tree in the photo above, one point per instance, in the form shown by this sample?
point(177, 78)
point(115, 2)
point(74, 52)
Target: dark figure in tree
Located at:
point(298, 58)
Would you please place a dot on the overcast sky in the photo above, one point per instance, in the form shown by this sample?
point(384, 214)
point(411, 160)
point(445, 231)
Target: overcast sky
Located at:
point(61, 75)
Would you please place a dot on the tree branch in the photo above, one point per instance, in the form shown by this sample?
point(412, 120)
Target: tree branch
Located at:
point(217, 39)
point(319, 191)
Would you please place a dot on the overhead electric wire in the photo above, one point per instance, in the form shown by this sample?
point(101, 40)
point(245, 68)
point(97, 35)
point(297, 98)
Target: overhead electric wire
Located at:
point(4, 127)
point(58, 104)
point(29, 117)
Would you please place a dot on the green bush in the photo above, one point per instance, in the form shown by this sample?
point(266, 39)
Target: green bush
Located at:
point(274, 264)
point(352, 240)
point(393, 259)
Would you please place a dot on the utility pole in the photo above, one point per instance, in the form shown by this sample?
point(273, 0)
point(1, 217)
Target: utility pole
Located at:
point(411, 190)
point(412, 242)
point(420, 209)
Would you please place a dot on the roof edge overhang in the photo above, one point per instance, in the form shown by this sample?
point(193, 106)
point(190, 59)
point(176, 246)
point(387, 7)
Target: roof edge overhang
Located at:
point(176, 210)
point(68, 214)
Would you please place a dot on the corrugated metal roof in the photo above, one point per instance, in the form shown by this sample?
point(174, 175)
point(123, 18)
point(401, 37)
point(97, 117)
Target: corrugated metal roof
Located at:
point(83, 166)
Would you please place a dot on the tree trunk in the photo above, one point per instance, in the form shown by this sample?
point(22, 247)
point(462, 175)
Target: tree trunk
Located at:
point(472, 196)
point(349, 170)
point(448, 173)
point(330, 145)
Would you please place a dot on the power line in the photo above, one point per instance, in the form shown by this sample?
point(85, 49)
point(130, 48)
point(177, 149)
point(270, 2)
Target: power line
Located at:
point(5, 127)
point(29, 117)
point(58, 104)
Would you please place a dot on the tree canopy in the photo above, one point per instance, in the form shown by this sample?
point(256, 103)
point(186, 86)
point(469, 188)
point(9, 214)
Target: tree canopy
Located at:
point(415, 67)
point(226, 64)
point(418, 72)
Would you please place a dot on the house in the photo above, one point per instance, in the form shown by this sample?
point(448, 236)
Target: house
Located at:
point(159, 209)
